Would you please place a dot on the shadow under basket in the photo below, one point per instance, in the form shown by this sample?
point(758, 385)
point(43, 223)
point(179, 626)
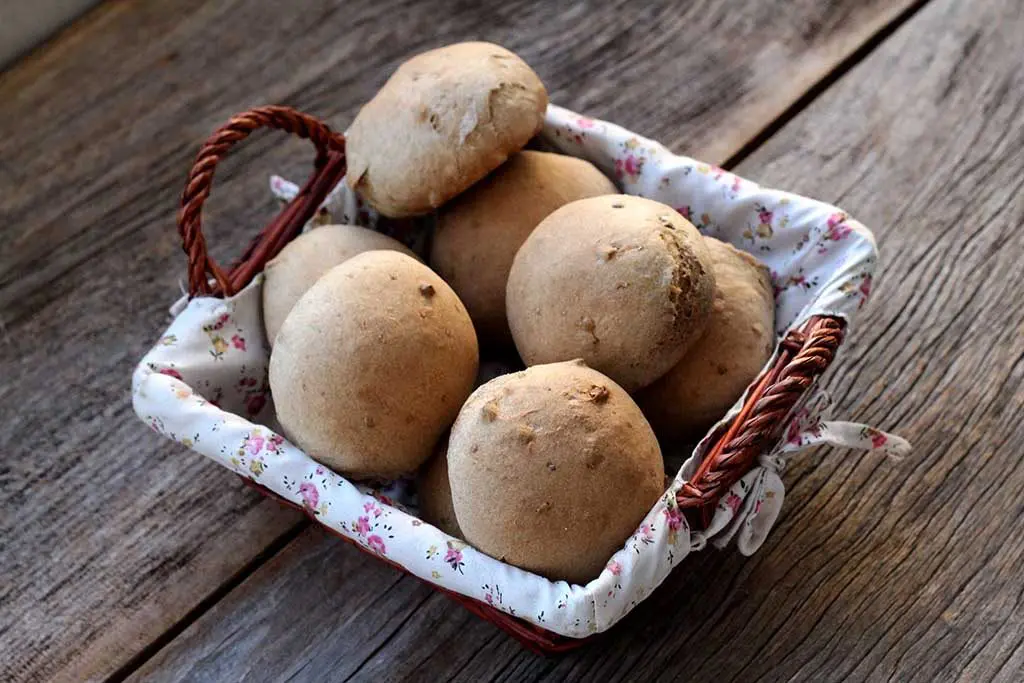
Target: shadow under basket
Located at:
point(803, 354)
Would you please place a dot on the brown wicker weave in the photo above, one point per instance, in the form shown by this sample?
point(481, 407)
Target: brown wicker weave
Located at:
point(802, 355)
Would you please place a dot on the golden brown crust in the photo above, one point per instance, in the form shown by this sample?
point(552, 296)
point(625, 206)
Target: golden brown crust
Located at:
point(435, 493)
point(479, 233)
point(444, 120)
point(372, 365)
point(306, 258)
point(622, 282)
point(552, 469)
point(735, 346)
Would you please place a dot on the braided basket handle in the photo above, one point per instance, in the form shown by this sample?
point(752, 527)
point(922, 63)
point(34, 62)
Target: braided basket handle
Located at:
point(804, 356)
point(329, 169)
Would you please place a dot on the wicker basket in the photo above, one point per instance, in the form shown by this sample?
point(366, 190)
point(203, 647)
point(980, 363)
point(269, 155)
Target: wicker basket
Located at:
point(753, 429)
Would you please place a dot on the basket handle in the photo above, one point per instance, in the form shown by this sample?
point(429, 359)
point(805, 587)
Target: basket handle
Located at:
point(329, 169)
point(805, 354)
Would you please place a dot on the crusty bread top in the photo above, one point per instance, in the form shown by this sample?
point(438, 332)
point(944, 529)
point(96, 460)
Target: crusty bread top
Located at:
point(479, 232)
point(622, 282)
point(444, 120)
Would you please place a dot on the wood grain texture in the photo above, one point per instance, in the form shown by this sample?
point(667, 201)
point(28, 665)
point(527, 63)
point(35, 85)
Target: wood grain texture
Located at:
point(111, 536)
point(875, 572)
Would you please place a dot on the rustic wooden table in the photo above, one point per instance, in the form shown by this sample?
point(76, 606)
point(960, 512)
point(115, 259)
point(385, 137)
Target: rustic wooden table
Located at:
point(123, 556)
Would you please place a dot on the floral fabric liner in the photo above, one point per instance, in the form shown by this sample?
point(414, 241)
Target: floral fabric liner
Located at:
point(204, 384)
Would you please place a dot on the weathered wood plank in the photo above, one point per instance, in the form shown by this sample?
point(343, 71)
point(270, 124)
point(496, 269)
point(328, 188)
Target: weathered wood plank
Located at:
point(876, 572)
point(110, 535)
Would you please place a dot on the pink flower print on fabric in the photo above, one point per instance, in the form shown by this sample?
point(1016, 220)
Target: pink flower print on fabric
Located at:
point(310, 495)
point(278, 185)
point(171, 372)
point(493, 596)
point(363, 525)
point(254, 444)
point(274, 444)
point(674, 518)
point(803, 423)
point(614, 567)
point(238, 342)
point(793, 432)
point(865, 289)
point(453, 556)
point(837, 227)
point(733, 502)
point(765, 219)
point(376, 544)
point(644, 536)
point(763, 228)
point(384, 499)
point(629, 167)
point(878, 439)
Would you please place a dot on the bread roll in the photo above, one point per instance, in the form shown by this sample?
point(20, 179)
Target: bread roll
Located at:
point(444, 120)
point(303, 260)
point(372, 365)
point(552, 469)
point(479, 232)
point(737, 343)
point(435, 493)
point(621, 282)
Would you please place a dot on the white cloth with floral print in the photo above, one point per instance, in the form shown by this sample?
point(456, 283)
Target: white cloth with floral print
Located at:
point(204, 384)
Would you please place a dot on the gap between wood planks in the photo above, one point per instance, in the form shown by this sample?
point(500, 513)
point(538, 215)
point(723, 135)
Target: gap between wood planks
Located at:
point(748, 148)
point(815, 91)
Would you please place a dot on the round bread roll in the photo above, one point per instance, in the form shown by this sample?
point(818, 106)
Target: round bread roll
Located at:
point(738, 341)
point(552, 468)
point(372, 365)
point(621, 282)
point(306, 258)
point(444, 120)
point(435, 493)
point(479, 233)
